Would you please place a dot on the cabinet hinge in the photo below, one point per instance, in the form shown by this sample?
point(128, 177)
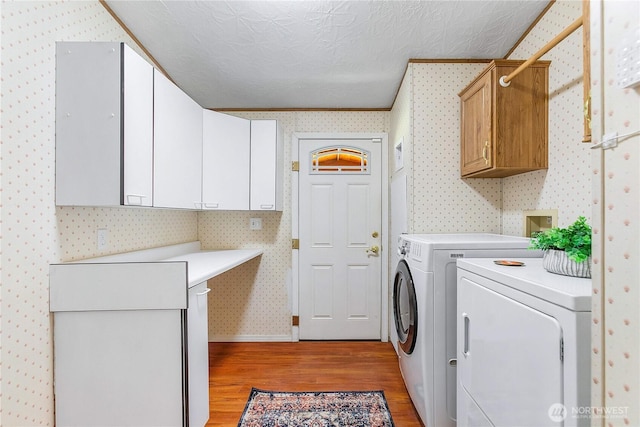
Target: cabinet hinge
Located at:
point(295, 166)
point(295, 244)
point(295, 320)
point(561, 350)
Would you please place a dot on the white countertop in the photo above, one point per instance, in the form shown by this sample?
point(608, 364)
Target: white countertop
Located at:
point(201, 264)
point(204, 265)
point(571, 292)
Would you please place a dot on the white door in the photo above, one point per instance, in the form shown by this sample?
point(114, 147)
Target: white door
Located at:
point(340, 238)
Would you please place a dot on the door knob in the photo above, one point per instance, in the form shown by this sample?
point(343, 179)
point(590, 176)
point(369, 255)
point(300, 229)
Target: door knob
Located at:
point(373, 250)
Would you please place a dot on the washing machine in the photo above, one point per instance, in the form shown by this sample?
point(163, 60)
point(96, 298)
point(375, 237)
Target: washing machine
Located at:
point(424, 312)
point(523, 345)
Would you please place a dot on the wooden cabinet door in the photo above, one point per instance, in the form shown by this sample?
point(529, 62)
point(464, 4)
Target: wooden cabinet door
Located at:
point(476, 146)
point(177, 147)
point(225, 161)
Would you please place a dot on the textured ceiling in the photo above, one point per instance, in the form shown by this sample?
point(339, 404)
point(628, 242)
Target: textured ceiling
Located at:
point(315, 54)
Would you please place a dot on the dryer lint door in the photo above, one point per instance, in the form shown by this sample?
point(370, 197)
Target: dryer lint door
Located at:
point(509, 357)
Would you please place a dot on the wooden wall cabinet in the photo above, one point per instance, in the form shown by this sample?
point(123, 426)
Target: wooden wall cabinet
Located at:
point(104, 125)
point(504, 130)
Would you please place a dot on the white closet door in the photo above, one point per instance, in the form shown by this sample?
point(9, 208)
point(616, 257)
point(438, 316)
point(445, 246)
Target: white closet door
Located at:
point(177, 147)
point(225, 161)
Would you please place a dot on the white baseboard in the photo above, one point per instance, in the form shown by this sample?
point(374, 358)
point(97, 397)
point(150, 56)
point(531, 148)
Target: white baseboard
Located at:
point(250, 338)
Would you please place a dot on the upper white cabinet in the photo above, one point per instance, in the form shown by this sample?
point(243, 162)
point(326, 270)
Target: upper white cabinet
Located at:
point(177, 147)
point(225, 161)
point(266, 165)
point(104, 125)
point(128, 136)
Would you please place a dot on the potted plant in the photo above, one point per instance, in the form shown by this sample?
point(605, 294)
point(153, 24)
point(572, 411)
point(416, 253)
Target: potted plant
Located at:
point(566, 250)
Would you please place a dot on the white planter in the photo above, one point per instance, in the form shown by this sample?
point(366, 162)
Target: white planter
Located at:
point(557, 262)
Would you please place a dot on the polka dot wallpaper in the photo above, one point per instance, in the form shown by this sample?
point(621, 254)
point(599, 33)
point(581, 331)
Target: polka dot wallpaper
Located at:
point(34, 232)
point(565, 186)
point(616, 200)
point(440, 200)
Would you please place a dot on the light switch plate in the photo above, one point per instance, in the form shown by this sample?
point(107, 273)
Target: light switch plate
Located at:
point(255, 224)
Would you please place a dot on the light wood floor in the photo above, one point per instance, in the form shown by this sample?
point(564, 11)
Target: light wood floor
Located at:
point(305, 366)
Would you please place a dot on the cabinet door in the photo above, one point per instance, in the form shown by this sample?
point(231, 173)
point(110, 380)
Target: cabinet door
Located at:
point(509, 356)
point(225, 161)
point(476, 147)
point(198, 355)
point(177, 147)
point(88, 113)
point(138, 130)
point(266, 165)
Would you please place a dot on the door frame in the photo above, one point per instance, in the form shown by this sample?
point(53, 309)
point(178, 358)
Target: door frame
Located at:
point(296, 139)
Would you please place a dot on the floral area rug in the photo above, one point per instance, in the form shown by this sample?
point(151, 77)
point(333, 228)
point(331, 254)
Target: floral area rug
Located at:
point(316, 409)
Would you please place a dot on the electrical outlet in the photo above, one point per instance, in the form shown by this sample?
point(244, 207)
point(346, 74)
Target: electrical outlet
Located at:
point(103, 235)
point(255, 224)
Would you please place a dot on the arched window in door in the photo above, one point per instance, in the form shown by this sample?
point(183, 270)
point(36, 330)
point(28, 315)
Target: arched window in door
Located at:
point(340, 160)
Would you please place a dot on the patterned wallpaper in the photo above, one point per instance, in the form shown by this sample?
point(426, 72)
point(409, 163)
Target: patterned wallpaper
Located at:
point(34, 232)
point(440, 200)
point(565, 185)
point(427, 115)
point(616, 204)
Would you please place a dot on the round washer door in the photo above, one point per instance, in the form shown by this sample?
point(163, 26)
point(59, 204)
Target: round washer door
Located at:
point(405, 308)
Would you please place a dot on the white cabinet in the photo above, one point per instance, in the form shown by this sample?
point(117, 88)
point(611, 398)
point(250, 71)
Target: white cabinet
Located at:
point(266, 165)
point(225, 161)
point(177, 155)
point(118, 334)
point(104, 125)
point(198, 355)
point(130, 336)
point(128, 136)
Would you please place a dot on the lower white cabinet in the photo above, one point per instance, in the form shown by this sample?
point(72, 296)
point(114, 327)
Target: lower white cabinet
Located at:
point(198, 355)
point(119, 333)
point(130, 336)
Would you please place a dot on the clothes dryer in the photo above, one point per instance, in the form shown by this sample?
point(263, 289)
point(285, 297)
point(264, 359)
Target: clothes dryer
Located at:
point(524, 339)
point(424, 307)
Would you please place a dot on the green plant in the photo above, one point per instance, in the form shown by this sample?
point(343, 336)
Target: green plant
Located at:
point(575, 240)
